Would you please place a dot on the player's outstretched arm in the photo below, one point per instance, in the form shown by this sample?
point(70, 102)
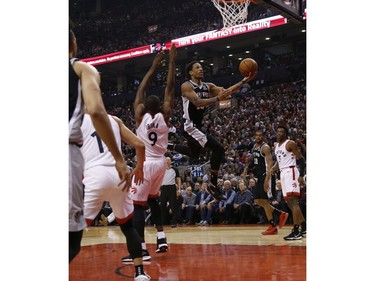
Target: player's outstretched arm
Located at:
point(141, 91)
point(90, 81)
point(225, 93)
point(188, 92)
point(130, 138)
point(169, 89)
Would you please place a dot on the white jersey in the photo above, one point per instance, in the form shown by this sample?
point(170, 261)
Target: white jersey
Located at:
point(284, 158)
point(154, 133)
point(94, 150)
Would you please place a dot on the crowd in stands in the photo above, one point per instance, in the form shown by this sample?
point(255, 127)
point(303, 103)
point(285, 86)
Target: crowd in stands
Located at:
point(278, 95)
point(124, 25)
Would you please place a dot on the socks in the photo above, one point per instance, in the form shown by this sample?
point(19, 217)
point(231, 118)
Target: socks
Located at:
point(139, 270)
point(161, 234)
point(144, 246)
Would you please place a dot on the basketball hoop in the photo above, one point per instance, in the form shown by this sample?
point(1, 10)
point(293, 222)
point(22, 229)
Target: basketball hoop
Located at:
point(233, 12)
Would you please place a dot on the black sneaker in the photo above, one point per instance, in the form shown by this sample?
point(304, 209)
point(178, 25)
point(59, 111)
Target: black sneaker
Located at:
point(145, 257)
point(294, 235)
point(216, 192)
point(162, 245)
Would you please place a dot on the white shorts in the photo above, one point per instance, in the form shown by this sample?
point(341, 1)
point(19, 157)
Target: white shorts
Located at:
point(101, 185)
point(195, 133)
point(289, 181)
point(153, 170)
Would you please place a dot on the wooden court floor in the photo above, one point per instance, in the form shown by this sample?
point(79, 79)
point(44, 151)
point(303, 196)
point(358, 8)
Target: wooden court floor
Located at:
point(196, 253)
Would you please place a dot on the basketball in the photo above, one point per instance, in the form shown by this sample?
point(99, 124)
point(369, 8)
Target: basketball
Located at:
point(248, 65)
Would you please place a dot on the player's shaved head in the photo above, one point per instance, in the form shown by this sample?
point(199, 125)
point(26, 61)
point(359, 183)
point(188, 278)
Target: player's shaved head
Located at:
point(152, 104)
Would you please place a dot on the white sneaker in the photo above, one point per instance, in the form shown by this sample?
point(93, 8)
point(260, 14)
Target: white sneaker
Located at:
point(205, 223)
point(200, 223)
point(142, 277)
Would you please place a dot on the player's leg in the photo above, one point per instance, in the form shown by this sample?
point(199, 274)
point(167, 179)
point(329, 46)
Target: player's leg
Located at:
point(217, 157)
point(76, 218)
point(139, 194)
point(123, 210)
point(291, 191)
point(261, 199)
point(193, 148)
point(157, 171)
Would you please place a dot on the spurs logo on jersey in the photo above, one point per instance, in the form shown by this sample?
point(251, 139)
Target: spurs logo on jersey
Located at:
point(284, 158)
point(191, 112)
point(153, 131)
point(94, 150)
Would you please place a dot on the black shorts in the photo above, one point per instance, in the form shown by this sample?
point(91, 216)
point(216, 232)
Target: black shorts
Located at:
point(259, 192)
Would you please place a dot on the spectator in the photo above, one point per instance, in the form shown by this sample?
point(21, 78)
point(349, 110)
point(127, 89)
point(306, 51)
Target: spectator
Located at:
point(201, 201)
point(242, 203)
point(226, 207)
point(189, 205)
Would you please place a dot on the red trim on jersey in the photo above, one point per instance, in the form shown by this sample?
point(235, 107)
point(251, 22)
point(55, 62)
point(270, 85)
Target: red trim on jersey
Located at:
point(153, 196)
point(89, 222)
point(125, 220)
point(294, 173)
point(142, 203)
point(297, 194)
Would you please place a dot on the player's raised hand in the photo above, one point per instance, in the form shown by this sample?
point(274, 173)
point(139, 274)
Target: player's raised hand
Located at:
point(138, 175)
point(158, 59)
point(250, 77)
point(172, 52)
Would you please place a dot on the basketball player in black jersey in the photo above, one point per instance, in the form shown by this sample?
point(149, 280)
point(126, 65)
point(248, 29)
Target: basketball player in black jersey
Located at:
point(261, 163)
point(84, 90)
point(196, 97)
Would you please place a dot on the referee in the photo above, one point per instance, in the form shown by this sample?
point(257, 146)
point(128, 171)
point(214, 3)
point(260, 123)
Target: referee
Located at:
point(168, 192)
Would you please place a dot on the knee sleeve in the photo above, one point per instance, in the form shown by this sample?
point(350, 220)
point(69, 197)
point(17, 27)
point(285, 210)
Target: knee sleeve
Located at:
point(155, 210)
point(74, 243)
point(133, 240)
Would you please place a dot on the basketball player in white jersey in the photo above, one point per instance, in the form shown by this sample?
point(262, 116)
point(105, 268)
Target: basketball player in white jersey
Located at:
point(152, 128)
point(196, 97)
point(288, 156)
point(101, 184)
point(84, 89)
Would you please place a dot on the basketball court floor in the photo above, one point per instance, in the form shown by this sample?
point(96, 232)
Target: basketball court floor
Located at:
point(196, 253)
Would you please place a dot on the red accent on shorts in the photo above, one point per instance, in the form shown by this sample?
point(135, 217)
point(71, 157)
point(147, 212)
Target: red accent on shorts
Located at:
point(125, 220)
point(291, 194)
point(294, 173)
point(88, 222)
point(142, 203)
point(153, 196)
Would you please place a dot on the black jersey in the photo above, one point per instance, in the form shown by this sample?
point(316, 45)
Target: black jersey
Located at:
point(75, 106)
point(260, 164)
point(191, 112)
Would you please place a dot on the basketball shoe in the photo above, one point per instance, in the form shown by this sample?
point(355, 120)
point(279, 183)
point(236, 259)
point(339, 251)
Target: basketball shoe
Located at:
point(162, 245)
point(295, 234)
point(142, 277)
point(270, 230)
point(145, 257)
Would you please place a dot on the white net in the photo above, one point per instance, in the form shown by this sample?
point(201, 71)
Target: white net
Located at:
point(233, 12)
